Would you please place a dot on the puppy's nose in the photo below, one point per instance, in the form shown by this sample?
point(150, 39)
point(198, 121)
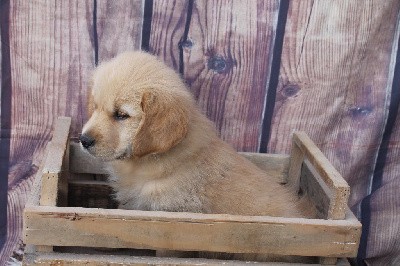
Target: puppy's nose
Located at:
point(86, 140)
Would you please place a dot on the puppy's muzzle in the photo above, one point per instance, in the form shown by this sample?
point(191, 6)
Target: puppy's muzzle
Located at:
point(87, 141)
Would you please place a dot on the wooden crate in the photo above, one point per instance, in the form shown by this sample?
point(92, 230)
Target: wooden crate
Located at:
point(55, 232)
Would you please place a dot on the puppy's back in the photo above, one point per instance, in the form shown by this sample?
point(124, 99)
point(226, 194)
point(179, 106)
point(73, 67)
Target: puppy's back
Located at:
point(239, 187)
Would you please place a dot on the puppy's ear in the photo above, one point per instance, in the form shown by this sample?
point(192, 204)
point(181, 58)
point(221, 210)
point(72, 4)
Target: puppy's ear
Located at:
point(164, 124)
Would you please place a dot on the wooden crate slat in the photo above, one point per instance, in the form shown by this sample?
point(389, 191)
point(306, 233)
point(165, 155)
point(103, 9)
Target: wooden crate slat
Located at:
point(115, 228)
point(317, 191)
point(83, 162)
point(276, 165)
point(114, 260)
point(331, 177)
point(53, 185)
point(327, 171)
point(34, 197)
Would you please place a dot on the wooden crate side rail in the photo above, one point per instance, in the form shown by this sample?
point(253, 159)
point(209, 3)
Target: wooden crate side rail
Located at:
point(81, 162)
point(303, 148)
point(316, 190)
point(34, 197)
point(65, 226)
point(276, 165)
point(54, 186)
point(117, 260)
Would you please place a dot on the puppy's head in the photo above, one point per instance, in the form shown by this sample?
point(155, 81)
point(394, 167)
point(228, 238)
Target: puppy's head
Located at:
point(138, 107)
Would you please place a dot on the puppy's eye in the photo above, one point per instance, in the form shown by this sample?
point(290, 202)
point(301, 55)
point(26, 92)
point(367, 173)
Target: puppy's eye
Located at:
point(118, 115)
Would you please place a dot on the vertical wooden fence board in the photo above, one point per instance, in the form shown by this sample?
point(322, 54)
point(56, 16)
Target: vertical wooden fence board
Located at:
point(228, 65)
point(167, 28)
point(48, 75)
point(382, 208)
point(119, 27)
point(51, 54)
point(333, 82)
point(226, 49)
point(384, 229)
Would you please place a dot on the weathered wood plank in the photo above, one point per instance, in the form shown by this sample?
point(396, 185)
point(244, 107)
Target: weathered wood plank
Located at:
point(119, 27)
point(312, 173)
point(57, 226)
point(167, 30)
point(384, 226)
point(334, 82)
point(319, 193)
point(54, 181)
point(295, 164)
point(114, 260)
point(33, 198)
point(49, 66)
point(322, 165)
point(340, 190)
point(4, 143)
point(226, 74)
point(274, 164)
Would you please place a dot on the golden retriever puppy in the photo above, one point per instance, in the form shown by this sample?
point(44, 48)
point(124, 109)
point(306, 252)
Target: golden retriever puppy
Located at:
point(164, 154)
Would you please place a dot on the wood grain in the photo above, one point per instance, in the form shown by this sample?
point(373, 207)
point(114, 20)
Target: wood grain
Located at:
point(333, 83)
point(52, 73)
point(82, 162)
point(167, 30)
point(319, 193)
point(229, 64)
point(115, 260)
point(226, 74)
point(295, 165)
point(119, 27)
point(49, 77)
point(384, 228)
point(51, 54)
point(64, 226)
point(330, 176)
point(54, 178)
point(275, 165)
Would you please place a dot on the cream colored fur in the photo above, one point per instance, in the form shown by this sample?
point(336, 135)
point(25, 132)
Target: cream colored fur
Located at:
point(167, 155)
